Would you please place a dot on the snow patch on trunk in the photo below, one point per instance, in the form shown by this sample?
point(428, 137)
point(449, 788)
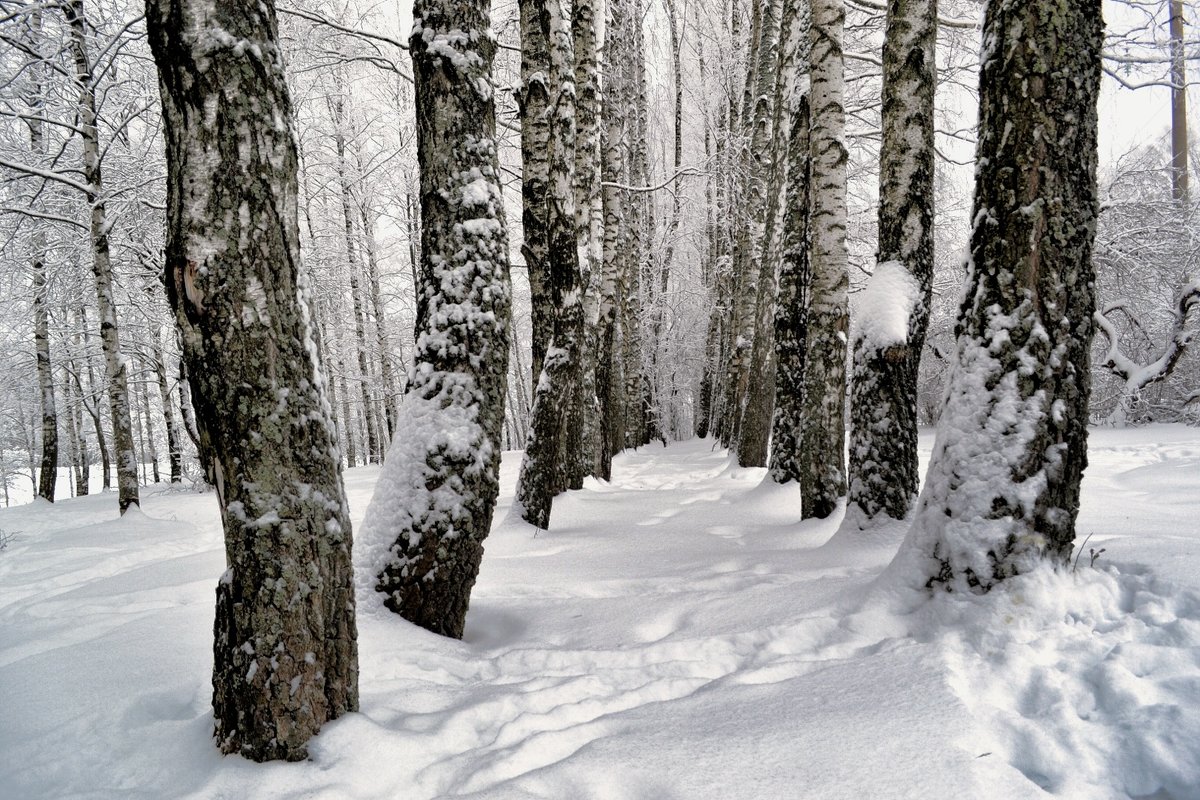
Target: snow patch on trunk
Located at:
point(883, 309)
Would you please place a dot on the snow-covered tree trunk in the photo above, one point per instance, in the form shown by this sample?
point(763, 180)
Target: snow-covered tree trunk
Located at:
point(544, 470)
point(893, 313)
point(285, 652)
point(433, 505)
point(1002, 490)
point(823, 434)
point(116, 362)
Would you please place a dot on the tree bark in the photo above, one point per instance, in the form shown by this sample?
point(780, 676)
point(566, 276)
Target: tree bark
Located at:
point(543, 470)
point(285, 652)
point(613, 172)
point(791, 309)
point(1002, 490)
point(823, 434)
point(436, 495)
point(584, 426)
point(48, 472)
point(883, 406)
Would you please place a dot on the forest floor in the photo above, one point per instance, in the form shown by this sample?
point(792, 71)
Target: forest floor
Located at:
point(676, 634)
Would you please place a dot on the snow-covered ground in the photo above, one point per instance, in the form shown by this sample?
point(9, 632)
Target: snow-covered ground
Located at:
point(677, 634)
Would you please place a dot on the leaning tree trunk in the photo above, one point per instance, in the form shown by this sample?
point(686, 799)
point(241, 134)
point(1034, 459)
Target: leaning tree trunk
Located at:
point(110, 338)
point(285, 652)
point(823, 435)
point(543, 470)
point(887, 346)
point(437, 491)
point(1002, 491)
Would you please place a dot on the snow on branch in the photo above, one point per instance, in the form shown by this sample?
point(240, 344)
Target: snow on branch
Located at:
point(1138, 376)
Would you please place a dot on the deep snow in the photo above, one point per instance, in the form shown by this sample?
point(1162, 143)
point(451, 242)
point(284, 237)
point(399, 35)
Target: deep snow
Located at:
point(676, 634)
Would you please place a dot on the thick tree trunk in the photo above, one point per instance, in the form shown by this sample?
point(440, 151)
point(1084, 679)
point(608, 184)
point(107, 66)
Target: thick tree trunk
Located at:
point(115, 361)
point(285, 652)
point(887, 351)
point(543, 471)
point(436, 495)
point(823, 436)
point(1002, 490)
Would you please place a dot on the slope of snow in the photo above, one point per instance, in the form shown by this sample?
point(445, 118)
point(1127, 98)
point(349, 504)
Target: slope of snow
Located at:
point(676, 634)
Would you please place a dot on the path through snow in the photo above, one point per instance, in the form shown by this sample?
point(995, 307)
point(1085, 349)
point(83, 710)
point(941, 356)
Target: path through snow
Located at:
point(676, 634)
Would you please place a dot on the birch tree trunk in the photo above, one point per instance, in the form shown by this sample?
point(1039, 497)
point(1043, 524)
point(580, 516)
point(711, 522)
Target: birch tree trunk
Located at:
point(613, 172)
point(823, 434)
point(883, 406)
point(374, 453)
point(791, 310)
point(92, 405)
point(390, 390)
point(433, 504)
point(584, 427)
point(116, 362)
point(534, 100)
point(543, 470)
point(1002, 491)
point(285, 652)
point(174, 445)
point(48, 472)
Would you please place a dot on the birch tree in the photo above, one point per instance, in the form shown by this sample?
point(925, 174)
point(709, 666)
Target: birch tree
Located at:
point(285, 652)
point(544, 471)
point(433, 504)
point(823, 435)
point(894, 309)
point(1002, 491)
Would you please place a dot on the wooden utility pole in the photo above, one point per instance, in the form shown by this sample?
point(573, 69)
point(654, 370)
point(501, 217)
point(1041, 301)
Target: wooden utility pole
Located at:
point(1179, 134)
